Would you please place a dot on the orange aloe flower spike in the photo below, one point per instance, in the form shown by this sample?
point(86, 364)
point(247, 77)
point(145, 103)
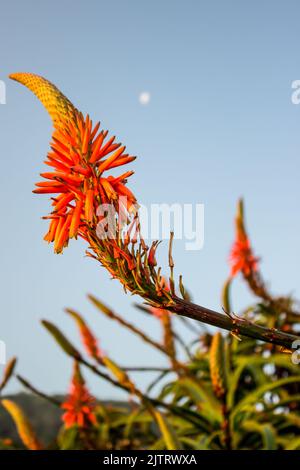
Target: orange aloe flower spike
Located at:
point(108, 188)
point(95, 130)
point(61, 234)
point(80, 405)
point(76, 219)
point(63, 202)
point(49, 237)
point(122, 161)
point(241, 257)
point(76, 149)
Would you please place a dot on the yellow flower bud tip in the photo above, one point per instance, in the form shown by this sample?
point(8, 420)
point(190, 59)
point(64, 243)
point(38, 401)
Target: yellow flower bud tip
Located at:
point(57, 104)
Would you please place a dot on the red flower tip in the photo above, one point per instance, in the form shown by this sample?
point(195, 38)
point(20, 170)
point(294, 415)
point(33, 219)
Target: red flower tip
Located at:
point(241, 257)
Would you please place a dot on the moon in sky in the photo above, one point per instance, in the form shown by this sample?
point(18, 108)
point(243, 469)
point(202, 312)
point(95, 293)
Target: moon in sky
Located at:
point(144, 97)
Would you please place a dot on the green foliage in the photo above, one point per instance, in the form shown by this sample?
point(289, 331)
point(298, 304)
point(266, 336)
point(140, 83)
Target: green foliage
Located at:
point(218, 392)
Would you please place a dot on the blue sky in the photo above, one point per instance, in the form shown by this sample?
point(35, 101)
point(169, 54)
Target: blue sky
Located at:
point(220, 124)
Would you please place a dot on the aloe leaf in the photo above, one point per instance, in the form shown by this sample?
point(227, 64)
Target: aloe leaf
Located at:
point(202, 398)
point(256, 394)
point(266, 431)
point(168, 433)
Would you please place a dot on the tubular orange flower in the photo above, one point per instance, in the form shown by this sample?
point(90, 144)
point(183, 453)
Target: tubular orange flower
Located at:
point(151, 255)
point(75, 219)
point(80, 404)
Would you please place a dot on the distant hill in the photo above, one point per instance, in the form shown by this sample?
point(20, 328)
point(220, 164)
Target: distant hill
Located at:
point(44, 417)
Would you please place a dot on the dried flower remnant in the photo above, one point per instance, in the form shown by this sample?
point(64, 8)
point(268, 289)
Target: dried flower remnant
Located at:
point(161, 313)
point(80, 405)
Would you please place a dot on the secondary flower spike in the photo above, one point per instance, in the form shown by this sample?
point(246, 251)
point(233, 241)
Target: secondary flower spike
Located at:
point(241, 255)
point(80, 404)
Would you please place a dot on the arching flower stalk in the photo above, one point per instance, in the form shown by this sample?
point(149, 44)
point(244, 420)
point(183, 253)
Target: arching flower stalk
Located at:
point(87, 202)
point(80, 157)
